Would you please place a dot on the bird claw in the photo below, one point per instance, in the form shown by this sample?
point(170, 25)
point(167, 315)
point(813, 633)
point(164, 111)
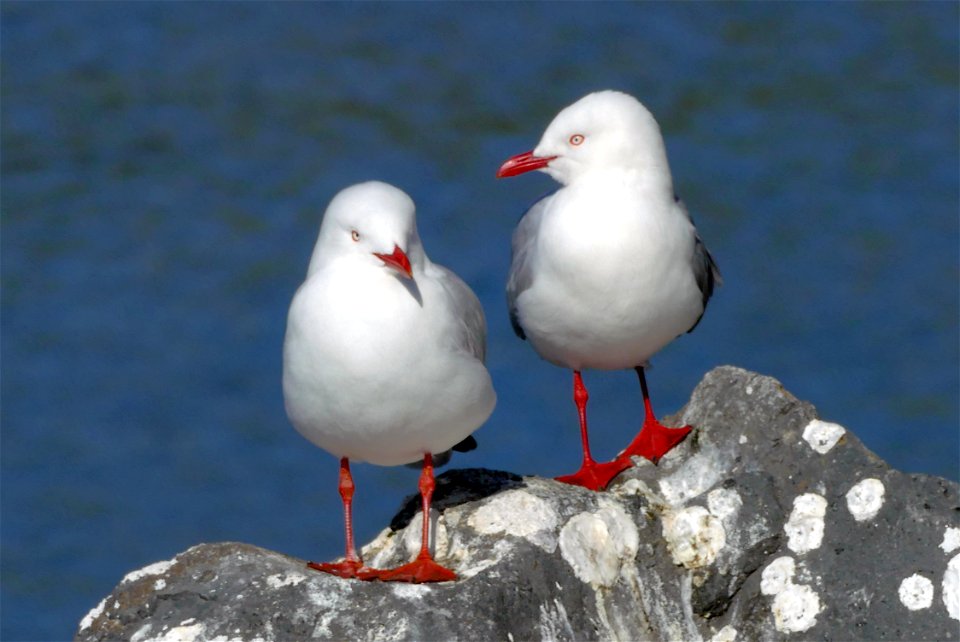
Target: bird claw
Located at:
point(594, 476)
point(348, 569)
point(421, 570)
point(654, 441)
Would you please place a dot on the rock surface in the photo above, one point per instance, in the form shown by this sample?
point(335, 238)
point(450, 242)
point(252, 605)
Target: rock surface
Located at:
point(765, 524)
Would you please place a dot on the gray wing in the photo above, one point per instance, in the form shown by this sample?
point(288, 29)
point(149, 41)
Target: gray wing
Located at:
point(470, 336)
point(705, 269)
point(472, 325)
point(521, 269)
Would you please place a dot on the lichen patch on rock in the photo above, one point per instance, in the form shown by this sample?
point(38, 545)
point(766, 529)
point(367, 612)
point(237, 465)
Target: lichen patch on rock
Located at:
point(185, 633)
point(157, 568)
point(951, 539)
point(951, 587)
point(697, 475)
point(916, 592)
point(795, 609)
point(724, 502)
point(518, 513)
point(693, 536)
point(805, 527)
point(280, 580)
point(778, 575)
point(795, 606)
point(92, 615)
point(823, 435)
point(597, 544)
point(865, 499)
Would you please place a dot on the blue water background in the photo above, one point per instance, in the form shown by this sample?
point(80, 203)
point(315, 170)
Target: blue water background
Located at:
point(165, 167)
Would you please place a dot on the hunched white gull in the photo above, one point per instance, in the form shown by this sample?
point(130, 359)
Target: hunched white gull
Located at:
point(383, 356)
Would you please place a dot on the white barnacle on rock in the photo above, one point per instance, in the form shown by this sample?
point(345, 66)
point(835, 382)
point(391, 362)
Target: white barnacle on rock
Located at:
point(865, 499)
point(597, 544)
point(693, 536)
point(152, 569)
point(795, 606)
point(795, 609)
point(951, 587)
point(951, 539)
point(916, 592)
point(778, 575)
point(518, 513)
point(726, 634)
point(724, 502)
point(823, 435)
point(804, 529)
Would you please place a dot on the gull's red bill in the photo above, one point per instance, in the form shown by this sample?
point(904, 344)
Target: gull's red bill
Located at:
point(398, 261)
point(522, 163)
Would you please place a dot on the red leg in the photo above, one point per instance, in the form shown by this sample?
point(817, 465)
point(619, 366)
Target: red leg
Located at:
point(654, 439)
point(591, 474)
point(352, 565)
point(422, 569)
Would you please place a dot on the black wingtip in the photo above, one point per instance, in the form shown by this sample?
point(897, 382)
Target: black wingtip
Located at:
point(517, 328)
point(707, 275)
point(442, 459)
point(466, 445)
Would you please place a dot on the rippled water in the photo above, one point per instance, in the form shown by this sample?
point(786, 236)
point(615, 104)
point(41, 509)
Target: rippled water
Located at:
point(165, 167)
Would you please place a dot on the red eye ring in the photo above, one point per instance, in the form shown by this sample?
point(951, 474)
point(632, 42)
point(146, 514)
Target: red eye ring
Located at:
point(576, 139)
point(355, 235)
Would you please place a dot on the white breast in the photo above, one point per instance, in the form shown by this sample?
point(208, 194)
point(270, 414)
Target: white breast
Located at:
point(367, 374)
point(614, 281)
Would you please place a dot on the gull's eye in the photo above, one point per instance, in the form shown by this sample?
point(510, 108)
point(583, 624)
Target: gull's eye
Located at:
point(576, 139)
point(355, 235)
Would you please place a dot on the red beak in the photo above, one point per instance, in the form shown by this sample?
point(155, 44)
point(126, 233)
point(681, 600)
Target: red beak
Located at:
point(398, 261)
point(522, 163)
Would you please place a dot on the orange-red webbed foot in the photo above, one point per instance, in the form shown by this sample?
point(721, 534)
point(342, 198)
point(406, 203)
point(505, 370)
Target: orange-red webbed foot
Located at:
point(596, 476)
point(349, 569)
point(654, 441)
point(421, 570)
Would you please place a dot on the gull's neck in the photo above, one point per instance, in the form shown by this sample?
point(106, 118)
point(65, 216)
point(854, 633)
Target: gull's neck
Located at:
point(650, 180)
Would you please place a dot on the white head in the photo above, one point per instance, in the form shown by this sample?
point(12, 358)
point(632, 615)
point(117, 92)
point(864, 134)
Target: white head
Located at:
point(374, 223)
point(602, 130)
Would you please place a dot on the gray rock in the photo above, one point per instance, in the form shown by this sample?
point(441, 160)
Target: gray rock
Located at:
point(765, 524)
